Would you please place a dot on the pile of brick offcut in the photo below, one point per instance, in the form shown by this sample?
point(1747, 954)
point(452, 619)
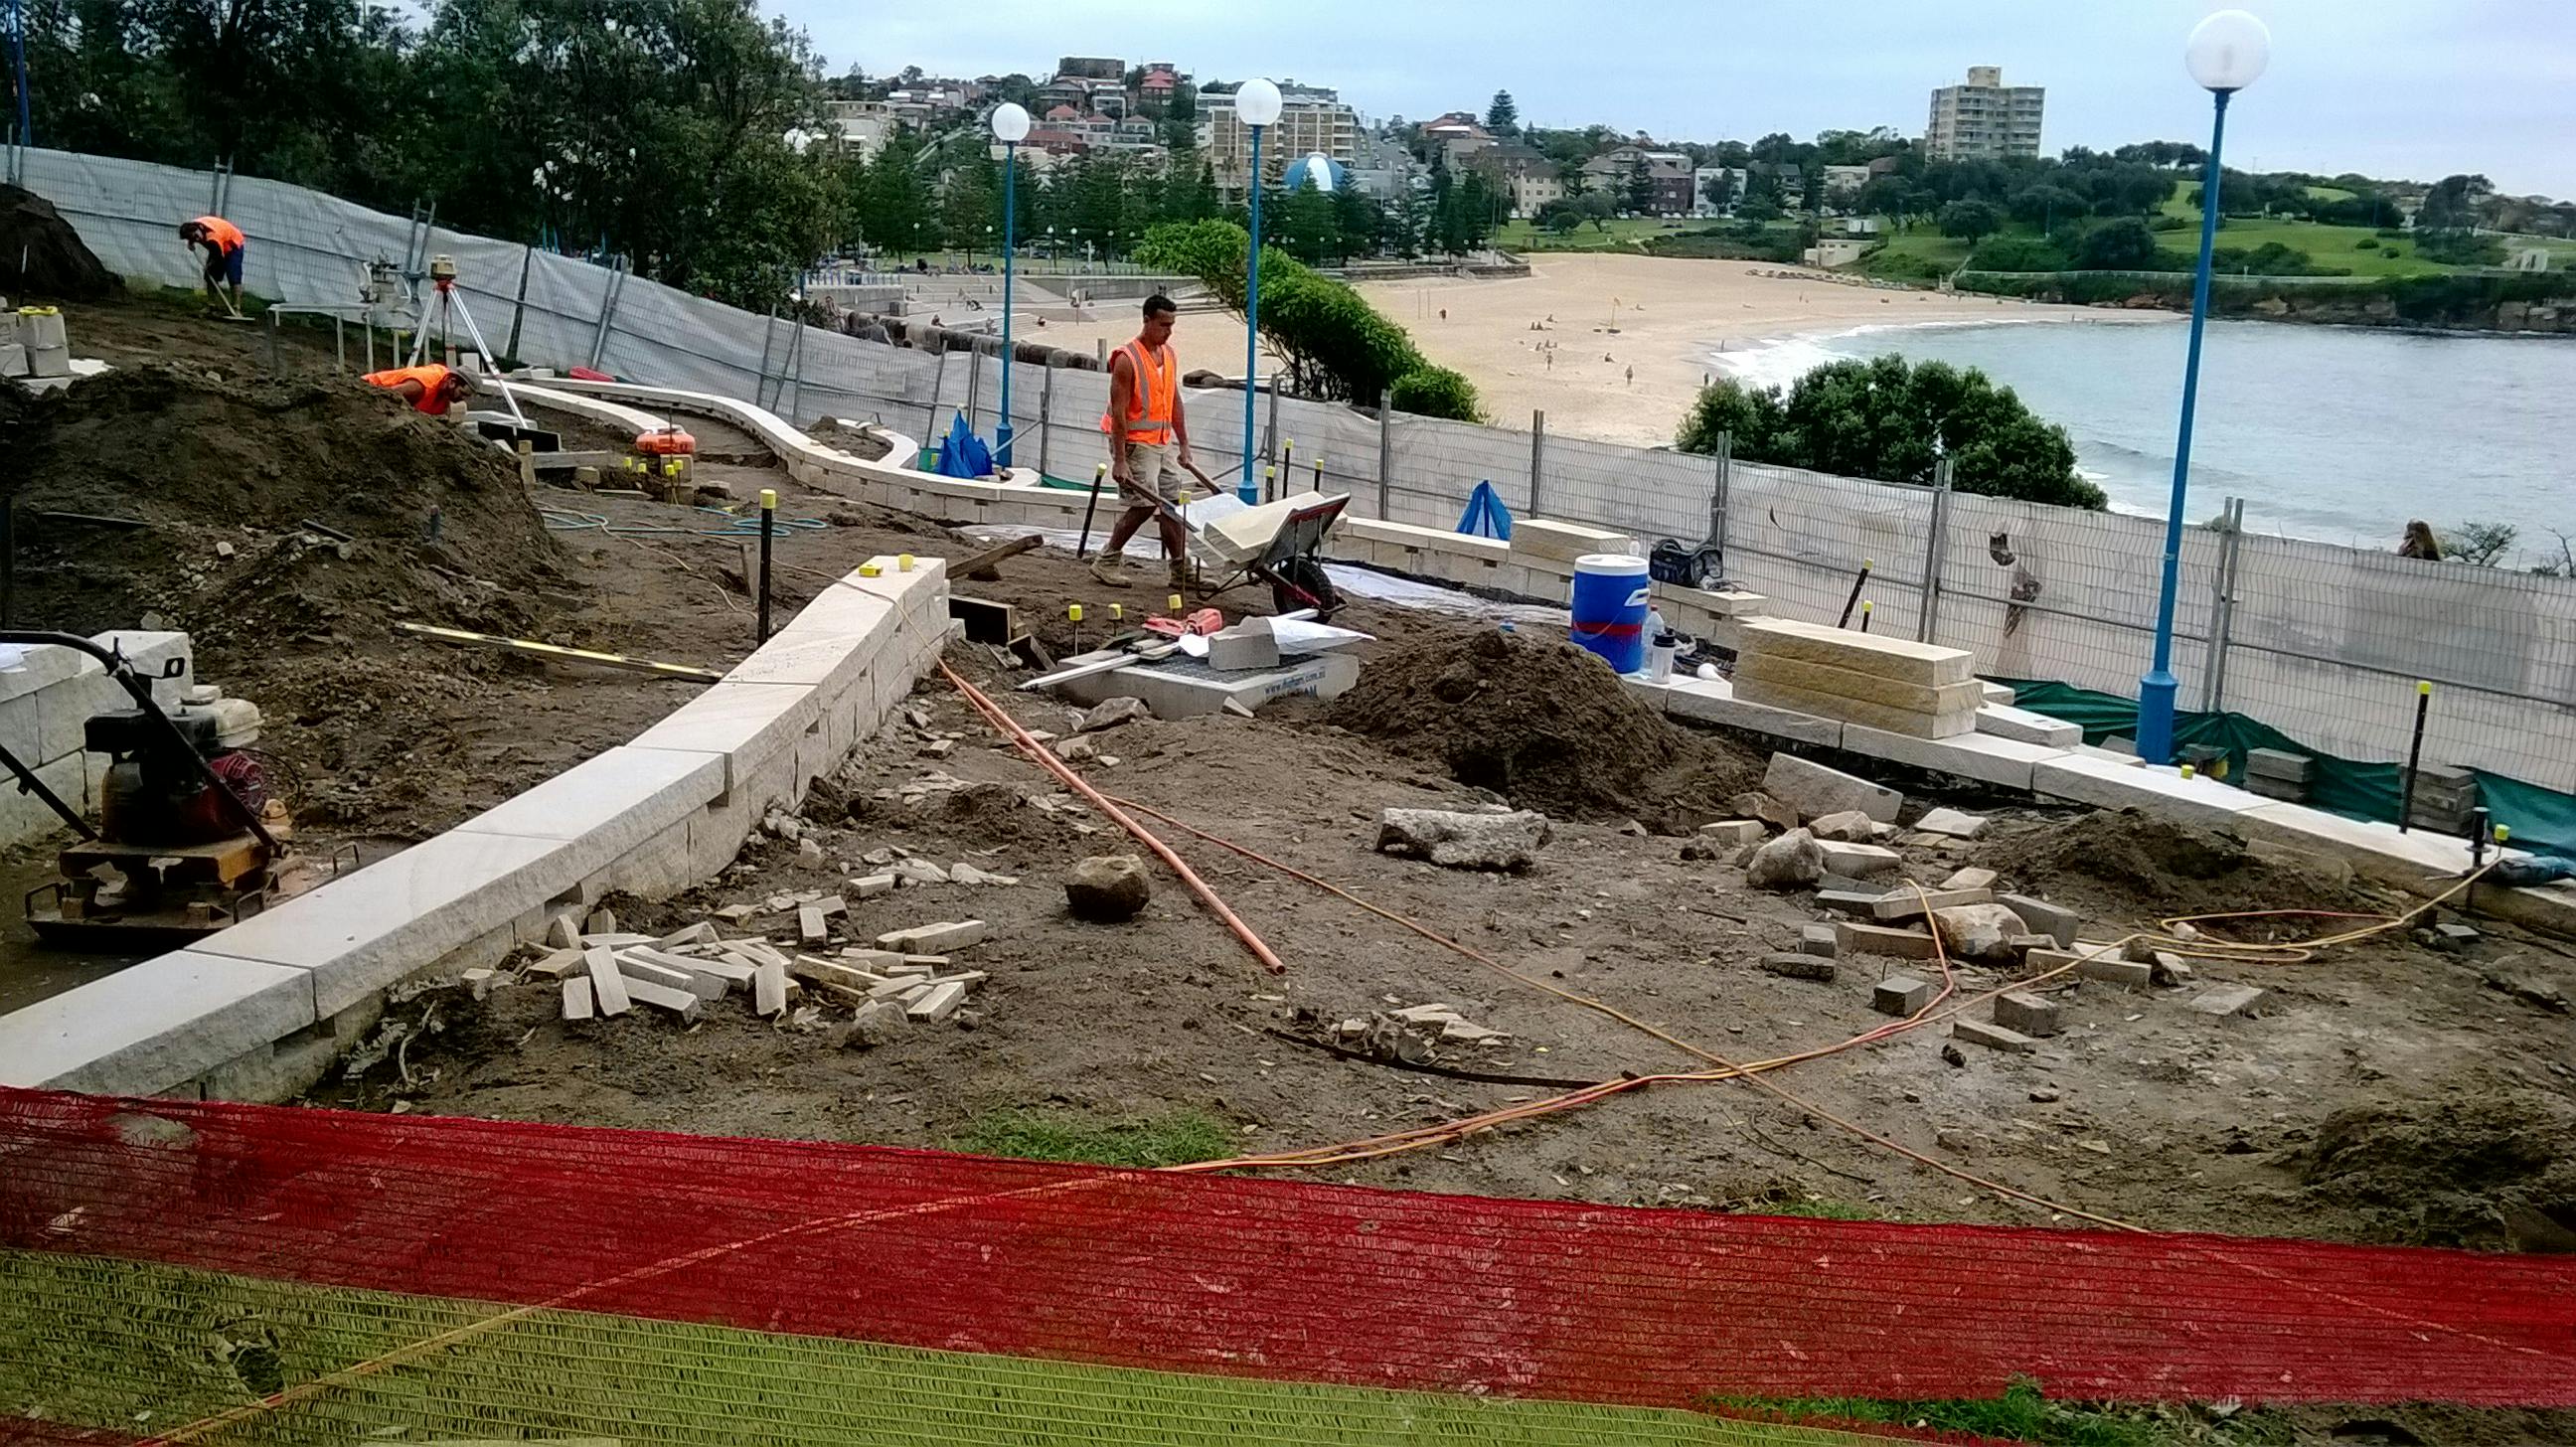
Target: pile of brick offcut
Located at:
point(1918, 689)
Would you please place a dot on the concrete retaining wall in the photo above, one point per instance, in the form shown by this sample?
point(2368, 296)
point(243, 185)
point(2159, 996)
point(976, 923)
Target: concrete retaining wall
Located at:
point(260, 1010)
point(43, 705)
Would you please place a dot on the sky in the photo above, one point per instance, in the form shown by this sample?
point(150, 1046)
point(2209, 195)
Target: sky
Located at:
point(2413, 89)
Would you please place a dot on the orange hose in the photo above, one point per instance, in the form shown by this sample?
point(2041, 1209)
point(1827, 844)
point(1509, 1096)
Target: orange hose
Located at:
point(994, 715)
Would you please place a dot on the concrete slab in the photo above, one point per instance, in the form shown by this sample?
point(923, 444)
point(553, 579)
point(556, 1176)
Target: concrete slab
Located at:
point(1814, 790)
point(2005, 721)
point(1853, 683)
point(1188, 688)
point(607, 806)
point(1983, 757)
point(1713, 700)
point(1566, 542)
point(367, 930)
point(751, 723)
point(154, 1026)
point(2157, 788)
point(1877, 653)
point(2375, 851)
point(1885, 717)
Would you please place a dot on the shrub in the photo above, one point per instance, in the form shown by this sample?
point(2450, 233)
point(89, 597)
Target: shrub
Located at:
point(2017, 253)
point(1893, 421)
point(1436, 392)
point(2367, 243)
point(2459, 248)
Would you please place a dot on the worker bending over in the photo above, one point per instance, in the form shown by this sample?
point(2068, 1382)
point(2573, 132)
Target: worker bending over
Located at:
point(1149, 441)
point(428, 389)
point(223, 243)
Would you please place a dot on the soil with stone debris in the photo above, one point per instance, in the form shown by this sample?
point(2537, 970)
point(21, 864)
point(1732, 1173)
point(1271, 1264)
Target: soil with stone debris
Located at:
point(42, 258)
point(1546, 725)
point(2153, 864)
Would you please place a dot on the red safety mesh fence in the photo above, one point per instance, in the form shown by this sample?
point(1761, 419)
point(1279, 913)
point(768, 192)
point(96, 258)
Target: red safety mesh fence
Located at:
point(1266, 1278)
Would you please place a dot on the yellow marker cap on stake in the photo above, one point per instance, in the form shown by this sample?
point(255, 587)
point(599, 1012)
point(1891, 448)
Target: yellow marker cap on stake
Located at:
point(768, 498)
point(1073, 613)
point(2503, 832)
point(2186, 771)
point(903, 562)
point(2424, 686)
point(1117, 612)
point(1175, 602)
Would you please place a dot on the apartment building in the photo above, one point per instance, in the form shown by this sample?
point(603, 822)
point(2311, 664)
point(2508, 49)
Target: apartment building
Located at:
point(1312, 121)
point(1984, 119)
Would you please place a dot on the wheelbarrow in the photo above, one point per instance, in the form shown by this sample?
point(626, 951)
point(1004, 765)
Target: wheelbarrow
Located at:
point(1278, 543)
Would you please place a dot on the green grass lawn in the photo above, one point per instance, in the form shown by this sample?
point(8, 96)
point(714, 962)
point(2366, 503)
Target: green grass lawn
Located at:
point(1622, 234)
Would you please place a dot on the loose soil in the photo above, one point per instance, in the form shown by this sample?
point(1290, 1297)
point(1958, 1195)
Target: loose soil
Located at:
point(41, 258)
point(1546, 725)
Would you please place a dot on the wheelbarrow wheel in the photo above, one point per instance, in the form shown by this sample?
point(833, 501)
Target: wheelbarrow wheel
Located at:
point(1302, 583)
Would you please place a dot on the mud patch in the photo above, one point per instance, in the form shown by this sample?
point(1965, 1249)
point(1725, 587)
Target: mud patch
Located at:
point(2146, 863)
point(1544, 724)
point(2481, 1169)
point(42, 257)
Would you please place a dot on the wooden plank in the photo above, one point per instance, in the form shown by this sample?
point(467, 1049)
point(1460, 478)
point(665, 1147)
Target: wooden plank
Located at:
point(980, 566)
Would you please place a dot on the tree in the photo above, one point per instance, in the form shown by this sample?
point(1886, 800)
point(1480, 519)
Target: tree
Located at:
point(1560, 218)
point(1641, 187)
point(1719, 189)
point(2452, 203)
point(2125, 244)
point(1597, 209)
point(1970, 221)
point(1893, 421)
point(1502, 117)
point(1334, 344)
point(2044, 205)
point(2479, 544)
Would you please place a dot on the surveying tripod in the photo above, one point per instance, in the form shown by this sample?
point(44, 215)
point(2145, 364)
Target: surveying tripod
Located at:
point(446, 308)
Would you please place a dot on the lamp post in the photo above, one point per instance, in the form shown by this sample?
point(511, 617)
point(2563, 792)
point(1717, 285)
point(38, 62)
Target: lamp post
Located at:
point(1256, 104)
point(1010, 127)
point(2226, 53)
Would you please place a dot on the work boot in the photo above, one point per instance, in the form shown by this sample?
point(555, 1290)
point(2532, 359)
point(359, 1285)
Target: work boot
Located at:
point(1110, 569)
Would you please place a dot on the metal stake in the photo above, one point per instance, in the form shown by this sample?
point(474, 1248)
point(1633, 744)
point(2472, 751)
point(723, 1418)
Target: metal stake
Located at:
point(768, 528)
point(2414, 757)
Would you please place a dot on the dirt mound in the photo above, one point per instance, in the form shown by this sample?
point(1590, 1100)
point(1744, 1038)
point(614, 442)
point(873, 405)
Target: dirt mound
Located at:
point(2484, 1169)
point(42, 257)
point(230, 480)
point(2152, 864)
point(1544, 724)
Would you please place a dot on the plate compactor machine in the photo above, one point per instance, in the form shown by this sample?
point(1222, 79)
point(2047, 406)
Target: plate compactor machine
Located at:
point(189, 839)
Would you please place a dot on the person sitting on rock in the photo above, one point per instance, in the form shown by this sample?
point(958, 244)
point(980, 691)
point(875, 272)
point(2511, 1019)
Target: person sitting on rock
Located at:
point(430, 390)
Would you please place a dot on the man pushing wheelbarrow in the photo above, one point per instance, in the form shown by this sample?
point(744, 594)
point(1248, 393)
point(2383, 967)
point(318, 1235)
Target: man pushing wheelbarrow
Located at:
point(1149, 441)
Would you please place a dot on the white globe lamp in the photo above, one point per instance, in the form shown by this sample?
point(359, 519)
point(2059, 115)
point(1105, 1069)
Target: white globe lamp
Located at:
point(1010, 123)
point(1257, 102)
point(2227, 51)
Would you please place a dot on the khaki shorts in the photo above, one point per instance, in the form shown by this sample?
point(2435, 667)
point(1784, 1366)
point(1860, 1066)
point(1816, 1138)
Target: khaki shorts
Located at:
point(1148, 464)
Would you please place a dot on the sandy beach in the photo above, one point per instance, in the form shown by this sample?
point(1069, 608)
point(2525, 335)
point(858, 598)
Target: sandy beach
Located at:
point(1605, 315)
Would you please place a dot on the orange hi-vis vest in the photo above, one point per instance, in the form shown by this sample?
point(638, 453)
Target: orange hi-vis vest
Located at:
point(223, 234)
point(432, 380)
point(1157, 399)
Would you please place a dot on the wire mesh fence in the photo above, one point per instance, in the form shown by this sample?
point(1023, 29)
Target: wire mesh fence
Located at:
point(2323, 642)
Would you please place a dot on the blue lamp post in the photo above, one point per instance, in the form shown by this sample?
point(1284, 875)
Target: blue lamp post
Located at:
point(2226, 53)
point(1010, 127)
point(1256, 104)
point(17, 25)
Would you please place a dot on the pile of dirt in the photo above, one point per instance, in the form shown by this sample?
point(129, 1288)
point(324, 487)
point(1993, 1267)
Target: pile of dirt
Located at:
point(41, 257)
point(2477, 1168)
point(2151, 864)
point(1545, 724)
point(270, 512)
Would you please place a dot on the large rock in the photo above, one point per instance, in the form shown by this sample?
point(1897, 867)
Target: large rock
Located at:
point(1464, 841)
point(1814, 790)
point(1108, 888)
point(1791, 861)
point(879, 1022)
point(1756, 805)
point(1851, 826)
point(1111, 713)
point(1980, 932)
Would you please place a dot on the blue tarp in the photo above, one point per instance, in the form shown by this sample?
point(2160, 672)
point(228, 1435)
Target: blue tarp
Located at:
point(1486, 517)
point(962, 453)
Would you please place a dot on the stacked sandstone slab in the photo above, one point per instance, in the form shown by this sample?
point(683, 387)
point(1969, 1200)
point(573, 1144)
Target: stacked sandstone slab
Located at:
point(1918, 689)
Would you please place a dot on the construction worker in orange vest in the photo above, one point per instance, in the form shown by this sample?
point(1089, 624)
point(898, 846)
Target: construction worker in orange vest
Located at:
point(428, 389)
point(224, 244)
point(1149, 441)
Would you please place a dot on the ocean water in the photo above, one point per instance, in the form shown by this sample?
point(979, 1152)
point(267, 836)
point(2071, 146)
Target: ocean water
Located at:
point(2336, 433)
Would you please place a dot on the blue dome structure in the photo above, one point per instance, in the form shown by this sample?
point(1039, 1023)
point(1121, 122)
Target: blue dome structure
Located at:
point(1317, 170)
